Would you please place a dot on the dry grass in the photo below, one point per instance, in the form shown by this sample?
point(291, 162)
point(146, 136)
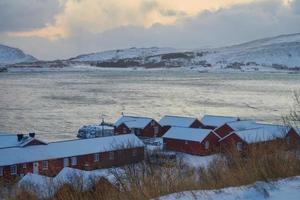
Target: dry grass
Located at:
point(146, 180)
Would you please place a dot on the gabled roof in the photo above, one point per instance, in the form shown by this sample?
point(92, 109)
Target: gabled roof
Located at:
point(263, 133)
point(11, 140)
point(243, 125)
point(190, 134)
point(69, 148)
point(181, 121)
point(214, 120)
point(133, 122)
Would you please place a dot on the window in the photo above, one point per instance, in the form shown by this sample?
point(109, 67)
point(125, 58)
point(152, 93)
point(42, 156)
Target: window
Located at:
point(74, 161)
point(288, 140)
point(1, 171)
point(152, 123)
point(186, 142)
point(111, 155)
point(134, 153)
point(45, 165)
point(96, 157)
point(207, 145)
point(156, 130)
point(24, 166)
point(13, 169)
point(124, 130)
point(239, 146)
point(66, 162)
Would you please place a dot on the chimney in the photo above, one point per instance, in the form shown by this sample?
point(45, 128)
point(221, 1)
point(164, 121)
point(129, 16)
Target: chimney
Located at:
point(20, 137)
point(32, 135)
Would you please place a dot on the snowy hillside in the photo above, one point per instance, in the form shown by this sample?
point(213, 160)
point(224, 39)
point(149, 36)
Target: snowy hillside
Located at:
point(123, 54)
point(10, 55)
point(282, 50)
point(284, 189)
point(276, 53)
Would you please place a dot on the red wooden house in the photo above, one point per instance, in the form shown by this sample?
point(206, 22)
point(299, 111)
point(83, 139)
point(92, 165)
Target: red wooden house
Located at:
point(85, 154)
point(229, 127)
point(266, 133)
point(169, 121)
point(191, 140)
point(140, 126)
point(214, 121)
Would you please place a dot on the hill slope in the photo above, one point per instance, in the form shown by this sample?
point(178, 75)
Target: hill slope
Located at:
point(10, 55)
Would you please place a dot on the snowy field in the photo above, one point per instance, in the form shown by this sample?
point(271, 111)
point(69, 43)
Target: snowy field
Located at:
point(288, 189)
point(55, 103)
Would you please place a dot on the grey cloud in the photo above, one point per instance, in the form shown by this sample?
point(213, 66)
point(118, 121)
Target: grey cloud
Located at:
point(220, 28)
point(171, 13)
point(22, 15)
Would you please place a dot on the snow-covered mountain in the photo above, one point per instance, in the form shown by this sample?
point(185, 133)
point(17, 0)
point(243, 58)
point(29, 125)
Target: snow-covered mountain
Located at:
point(10, 55)
point(123, 54)
point(278, 51)
point(281, 52)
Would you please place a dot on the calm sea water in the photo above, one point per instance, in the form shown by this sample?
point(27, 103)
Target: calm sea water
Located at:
point(55, 103)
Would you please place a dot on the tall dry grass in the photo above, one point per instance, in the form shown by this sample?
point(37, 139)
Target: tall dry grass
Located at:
point(148, 180)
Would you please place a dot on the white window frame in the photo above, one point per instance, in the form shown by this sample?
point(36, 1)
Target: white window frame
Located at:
point(74, 161)
point(124, 130)
point(186, 142)
point(206, 145)
point(239, 146)
point(111, 155)
point(96, 157)
point(1, 171)
point(13, 169)
point(45, 165)
point(66, 162)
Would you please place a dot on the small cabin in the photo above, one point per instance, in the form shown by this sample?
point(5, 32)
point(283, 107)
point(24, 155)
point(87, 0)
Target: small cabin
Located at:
point(191, 140)
point(86, 154)
point(214, 121)
point(229, 127)
point(143, 127)
point(265, 134)
point(169, 121)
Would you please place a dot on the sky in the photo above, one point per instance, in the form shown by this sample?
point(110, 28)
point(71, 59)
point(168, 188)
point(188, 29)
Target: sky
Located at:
point(58, 29)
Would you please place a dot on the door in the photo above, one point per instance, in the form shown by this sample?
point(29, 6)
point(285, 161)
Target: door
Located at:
point(36, 168)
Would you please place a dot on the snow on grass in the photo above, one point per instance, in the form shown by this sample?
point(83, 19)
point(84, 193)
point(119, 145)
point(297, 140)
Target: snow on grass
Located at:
point(284, 189)
point(196, 161)
point(44, 186)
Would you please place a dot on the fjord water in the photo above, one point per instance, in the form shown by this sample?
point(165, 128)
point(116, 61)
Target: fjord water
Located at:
point(55, 103)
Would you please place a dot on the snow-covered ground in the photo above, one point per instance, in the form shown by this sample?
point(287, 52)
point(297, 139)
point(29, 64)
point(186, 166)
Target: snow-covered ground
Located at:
point(288, 189)
point(44, 186)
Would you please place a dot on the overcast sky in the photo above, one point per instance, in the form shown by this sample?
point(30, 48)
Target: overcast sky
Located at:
point(52, 29)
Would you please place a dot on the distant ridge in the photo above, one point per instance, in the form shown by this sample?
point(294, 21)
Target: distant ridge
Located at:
point(10, 55)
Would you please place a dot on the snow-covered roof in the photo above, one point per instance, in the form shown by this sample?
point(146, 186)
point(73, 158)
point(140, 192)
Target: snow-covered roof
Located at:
point(190, 134)
point(133, 122)
point(11, 140)
point(214, 120)
point(177, 121)
point(263, 133)
point(68, 148)
point(243, 125)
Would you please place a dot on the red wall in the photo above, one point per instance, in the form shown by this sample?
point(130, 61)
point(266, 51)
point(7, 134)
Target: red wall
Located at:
point(196, 124)
point(193, 147)
point(84, 162)
point(224, 130)
point(148, 131)
point(119, 130)
point(230, 142)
